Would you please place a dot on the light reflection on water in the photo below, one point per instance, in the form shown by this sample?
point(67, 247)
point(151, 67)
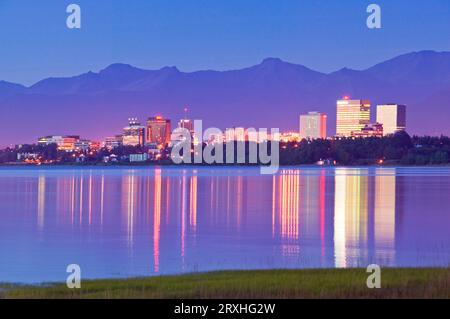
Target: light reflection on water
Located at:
point(152, 221)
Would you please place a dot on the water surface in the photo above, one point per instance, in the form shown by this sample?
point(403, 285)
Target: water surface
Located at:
point(119, 223)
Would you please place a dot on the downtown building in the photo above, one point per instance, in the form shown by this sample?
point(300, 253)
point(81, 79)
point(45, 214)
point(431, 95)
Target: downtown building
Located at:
point(393, 118)
point(352, 116)
point(188, 125)
point(370, 130)
point(313, 126)
point(133, 134)
point(158, 131)
point(64, 143)
point(113, 142)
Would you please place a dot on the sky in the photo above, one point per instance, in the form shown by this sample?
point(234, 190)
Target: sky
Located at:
point(326, 35)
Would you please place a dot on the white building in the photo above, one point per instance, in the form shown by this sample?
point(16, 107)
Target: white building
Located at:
point(393, 118)
point(313, 125)
point(135, 158)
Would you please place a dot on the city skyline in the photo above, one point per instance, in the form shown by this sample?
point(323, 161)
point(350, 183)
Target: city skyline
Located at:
point(313, 125)
point(255, 94)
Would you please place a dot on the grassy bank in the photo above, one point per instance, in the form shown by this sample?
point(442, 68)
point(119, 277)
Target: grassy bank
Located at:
point(346, 283)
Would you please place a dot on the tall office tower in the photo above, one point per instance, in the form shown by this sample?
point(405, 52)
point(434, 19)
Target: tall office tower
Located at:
point(186, 124)
point(352, 116)
point(158, 131)
point(178, 136)
point(313, 125)
point(393, 118)
point(133, 134)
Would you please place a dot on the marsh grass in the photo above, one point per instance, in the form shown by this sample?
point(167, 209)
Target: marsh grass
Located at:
point(277, 284)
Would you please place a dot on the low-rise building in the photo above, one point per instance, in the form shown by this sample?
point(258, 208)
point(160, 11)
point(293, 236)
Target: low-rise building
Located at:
point(135, 158)
point(369, 130)
point(113, 142)
point(64, 143)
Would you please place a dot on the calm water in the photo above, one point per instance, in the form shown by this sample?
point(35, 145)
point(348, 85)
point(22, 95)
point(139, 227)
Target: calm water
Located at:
point(153, 221)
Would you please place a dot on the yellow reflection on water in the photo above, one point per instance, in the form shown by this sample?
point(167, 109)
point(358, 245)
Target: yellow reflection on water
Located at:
point(350, 215)
point(193, 203)
point(90, 199)
point(285, 203)
point(157, 219)
point(384, 219)
point(183, 215)
point(102, 199)
point(81, 200)
point(129, 203)
point(41, 201)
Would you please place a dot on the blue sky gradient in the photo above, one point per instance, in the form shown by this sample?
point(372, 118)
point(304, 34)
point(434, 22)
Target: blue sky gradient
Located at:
point(203, 34)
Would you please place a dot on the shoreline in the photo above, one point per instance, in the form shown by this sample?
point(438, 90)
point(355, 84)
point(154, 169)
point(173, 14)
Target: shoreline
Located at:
point(100, 165)
point(253, 284)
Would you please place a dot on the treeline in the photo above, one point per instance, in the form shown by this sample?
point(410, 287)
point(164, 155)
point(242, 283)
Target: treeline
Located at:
point(51, 153)
point(395, 149)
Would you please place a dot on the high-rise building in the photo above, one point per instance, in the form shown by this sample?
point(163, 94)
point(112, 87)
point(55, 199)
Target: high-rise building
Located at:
point(178, 136)
point(133, 134)
point(352, 116)
point(393, 118)
point(313, 125)
point(186, 124)
point(158, 131)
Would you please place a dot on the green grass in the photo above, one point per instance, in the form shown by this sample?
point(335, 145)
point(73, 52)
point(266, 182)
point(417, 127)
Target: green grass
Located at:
point(327, 283)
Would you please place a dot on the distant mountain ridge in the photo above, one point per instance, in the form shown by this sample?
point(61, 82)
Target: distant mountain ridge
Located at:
point(271, 94)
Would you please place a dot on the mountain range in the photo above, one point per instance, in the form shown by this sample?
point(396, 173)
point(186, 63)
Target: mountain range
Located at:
point(271, 94)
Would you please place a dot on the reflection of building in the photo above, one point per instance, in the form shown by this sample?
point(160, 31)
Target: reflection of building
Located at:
point(350, 215)
point(158, 131)
point(133, 134)
point(370, 130)
point(313, 125)
point(384, 219)
point(285, 201)
point(352, 116)
point(393, 117)
point(41, 201)
point(312, 204)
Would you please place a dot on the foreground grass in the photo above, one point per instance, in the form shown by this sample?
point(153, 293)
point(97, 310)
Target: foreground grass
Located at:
point(328, 283)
